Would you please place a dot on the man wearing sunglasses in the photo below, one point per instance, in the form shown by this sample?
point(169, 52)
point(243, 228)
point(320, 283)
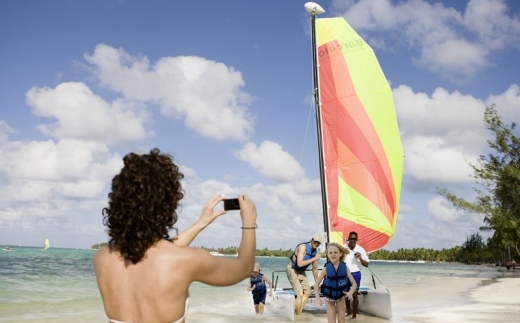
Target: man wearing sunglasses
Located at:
point(305, 254)
point(354, 260)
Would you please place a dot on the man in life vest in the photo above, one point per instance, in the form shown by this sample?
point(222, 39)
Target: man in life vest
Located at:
point(354, 260)
point(256, 285)
point(305, 254)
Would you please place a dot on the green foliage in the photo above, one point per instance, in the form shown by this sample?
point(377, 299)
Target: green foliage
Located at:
point(474, 250)
point(98, 245)
point(498, 194)
point(475, 242)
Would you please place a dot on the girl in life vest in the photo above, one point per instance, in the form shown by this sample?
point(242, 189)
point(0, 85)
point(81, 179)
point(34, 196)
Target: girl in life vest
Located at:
point(257, 286)
point(334, 276)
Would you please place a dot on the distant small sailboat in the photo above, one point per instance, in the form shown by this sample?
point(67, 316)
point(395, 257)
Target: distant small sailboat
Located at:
point(46, 245)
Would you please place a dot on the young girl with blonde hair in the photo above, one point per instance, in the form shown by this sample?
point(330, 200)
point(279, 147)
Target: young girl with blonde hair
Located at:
point(334, 276)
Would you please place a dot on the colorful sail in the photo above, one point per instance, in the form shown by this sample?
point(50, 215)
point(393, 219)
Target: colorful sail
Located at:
point(46, 244)
point(363, 156)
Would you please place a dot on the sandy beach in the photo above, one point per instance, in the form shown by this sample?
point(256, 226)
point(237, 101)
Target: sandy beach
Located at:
point(442, 300)
point(497, 300)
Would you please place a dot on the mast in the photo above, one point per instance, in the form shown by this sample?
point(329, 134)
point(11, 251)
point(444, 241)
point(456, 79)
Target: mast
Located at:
point(314, 9)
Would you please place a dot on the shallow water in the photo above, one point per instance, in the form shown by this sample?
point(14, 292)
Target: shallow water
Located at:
point(58, 285)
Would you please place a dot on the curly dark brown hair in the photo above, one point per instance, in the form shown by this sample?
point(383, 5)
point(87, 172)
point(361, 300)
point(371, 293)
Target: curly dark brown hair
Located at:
point(142, 204)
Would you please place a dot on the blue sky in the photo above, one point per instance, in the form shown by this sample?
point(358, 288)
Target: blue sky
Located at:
point(224, 87)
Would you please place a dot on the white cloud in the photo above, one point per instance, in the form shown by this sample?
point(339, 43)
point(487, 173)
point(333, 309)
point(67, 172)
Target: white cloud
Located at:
point(206, 94)
point(444, 132)
point(404, 211)
point(491, 21)
point(451, 43)
point(270, 160)
point(442, 210)
point(50, 181)
point(433, 160)
point(298, 204)
point(65, 160)
point(440, 133)
point(507, 103)
point(4, 132)
point(453, 115)
point(23, 191)
point(81, 114)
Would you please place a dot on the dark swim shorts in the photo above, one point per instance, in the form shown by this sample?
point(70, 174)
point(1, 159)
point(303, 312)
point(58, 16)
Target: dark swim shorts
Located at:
point(259, 298)
point(357, 278)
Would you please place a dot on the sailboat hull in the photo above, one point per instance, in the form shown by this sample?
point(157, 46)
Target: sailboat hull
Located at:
point(375, 302)
point(372, 301)
point(282, 303)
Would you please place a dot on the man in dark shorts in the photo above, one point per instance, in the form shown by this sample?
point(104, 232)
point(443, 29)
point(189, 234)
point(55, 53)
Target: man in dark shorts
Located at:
point(356, 258)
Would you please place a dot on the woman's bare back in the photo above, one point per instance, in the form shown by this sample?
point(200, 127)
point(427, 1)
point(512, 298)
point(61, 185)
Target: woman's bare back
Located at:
point(154, 289)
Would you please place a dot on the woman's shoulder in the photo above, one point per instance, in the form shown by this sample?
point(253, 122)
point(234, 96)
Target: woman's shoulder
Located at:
point(169, 250)
point(102, 256)
point(101, 252)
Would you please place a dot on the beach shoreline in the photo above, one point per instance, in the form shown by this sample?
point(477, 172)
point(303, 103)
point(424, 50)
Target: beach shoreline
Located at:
point(63, 289)
point(492, 299)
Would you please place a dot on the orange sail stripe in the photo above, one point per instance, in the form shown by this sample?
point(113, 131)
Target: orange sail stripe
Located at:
point(370, 239)
point(358, 175)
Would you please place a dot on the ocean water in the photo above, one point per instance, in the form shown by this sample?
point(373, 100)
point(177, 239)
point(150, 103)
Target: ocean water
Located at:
point(58, 285)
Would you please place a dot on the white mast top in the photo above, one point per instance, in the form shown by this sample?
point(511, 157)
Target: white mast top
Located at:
point(313, 8)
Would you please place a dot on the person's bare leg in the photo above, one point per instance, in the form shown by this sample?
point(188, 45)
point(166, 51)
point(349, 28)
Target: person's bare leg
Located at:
point(331, 312)
point(260, 308)
point(347, 306)
point(298, 305)
point(355, 304)
point(340, 307)
point(304, 299)
point(256, 308)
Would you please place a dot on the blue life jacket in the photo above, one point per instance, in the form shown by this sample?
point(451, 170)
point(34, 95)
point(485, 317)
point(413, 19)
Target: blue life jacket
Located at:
point(335, 282)
point(309, 253)
point(258, 281)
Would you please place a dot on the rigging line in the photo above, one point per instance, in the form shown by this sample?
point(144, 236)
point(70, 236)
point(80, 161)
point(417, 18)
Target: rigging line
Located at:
point(375, 275)
point(311, 105)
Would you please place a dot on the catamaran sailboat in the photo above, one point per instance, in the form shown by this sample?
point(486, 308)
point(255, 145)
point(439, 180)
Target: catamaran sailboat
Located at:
point(359, 148)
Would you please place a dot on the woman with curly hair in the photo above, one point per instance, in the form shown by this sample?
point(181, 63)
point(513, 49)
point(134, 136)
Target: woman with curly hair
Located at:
point(142, 274)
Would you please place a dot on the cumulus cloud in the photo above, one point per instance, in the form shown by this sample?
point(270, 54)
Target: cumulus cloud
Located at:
point(47, 179)
point(441, 134)
point(81, 114)
point(442, 210)
point(270, 160)
point(435, 161)
point(508, 103)
point(67, 159)
point(5, 129)
point(295, 207)
point(208, 95)
point(454, 44)
point(404, 210)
